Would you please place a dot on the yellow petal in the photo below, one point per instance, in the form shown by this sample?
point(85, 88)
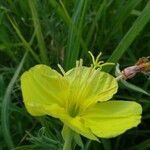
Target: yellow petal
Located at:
point(43, 86)
point(75, 123)
point(104, 86)
point(89, 85)
point(111, 118)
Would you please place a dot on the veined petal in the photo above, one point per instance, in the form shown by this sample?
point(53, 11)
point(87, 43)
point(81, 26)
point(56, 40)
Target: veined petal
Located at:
point(42, 86)
point(75, 123)
point(90, 85)
point(112, 118)
point(103, 86)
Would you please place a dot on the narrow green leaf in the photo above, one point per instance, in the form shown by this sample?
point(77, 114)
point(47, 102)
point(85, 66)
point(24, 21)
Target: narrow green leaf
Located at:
point(145, 145)
point(6, 104)
point(64, 15)
point(2, 86)
point(61, 11)
point(133, 32)
point(134, 87)
point(75, 34)
point(123, 14)
point(39, 35)
point(25, 43)
point(106, 144)
point(26, 147)
point(99, 13)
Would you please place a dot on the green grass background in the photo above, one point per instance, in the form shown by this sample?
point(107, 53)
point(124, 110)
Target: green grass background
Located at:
point(62, 31)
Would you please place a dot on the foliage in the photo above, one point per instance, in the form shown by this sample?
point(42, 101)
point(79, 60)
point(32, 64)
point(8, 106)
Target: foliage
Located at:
point(63, 31)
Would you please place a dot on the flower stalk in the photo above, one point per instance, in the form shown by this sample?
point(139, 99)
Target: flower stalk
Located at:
point(68, 137)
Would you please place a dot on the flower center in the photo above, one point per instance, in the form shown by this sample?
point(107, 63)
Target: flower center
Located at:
point(73, 110)
point(80, 80)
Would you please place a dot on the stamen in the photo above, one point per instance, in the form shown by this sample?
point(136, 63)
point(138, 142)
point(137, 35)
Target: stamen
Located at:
point(77, 63)
point(86, 85)
point(96, 62)
point(61, 69)
point(81, 62)
point(72, 105)
point(98, 56)
point(94, 74)
point(93, 59)
point(81, 83)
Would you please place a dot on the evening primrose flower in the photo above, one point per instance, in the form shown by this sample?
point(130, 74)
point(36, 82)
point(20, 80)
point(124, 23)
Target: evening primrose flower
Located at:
point(79, 98)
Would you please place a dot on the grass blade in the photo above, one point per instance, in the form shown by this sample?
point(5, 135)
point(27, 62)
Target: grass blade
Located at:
point(61, 11)
point(134, 87)
point(39, 35)
point(75, 34)
point(99, 13)
point(25, 43)
point(106, 144)
point(123, 14)
point(127, 40)
point(6, 104)
point(26, 147)
point(64, 15)
point(141, 146)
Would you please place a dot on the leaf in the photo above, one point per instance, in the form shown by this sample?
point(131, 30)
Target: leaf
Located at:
point(134, 87)
point(6, 104)
point(130, 36)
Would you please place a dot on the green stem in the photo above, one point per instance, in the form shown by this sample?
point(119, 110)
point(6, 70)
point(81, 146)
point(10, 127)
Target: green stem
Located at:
point(68, 138)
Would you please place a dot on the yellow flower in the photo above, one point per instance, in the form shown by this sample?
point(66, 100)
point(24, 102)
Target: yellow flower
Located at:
point(79, 98)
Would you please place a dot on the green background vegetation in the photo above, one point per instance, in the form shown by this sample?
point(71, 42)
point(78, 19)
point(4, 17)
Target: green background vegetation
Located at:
point(62, 31)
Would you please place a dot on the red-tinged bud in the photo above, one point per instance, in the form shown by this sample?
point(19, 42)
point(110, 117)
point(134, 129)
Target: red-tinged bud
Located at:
point(130, 72)
point(142, 66)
